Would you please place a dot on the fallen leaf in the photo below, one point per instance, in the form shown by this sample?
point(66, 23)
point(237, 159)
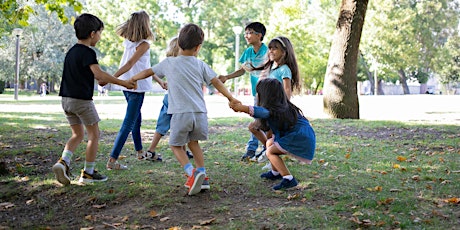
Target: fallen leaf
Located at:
point(205, 222)
point(153, 213)
point(396, 166)
point(28, 202)
point(347, 156)
point(121, 157)
point(99, 206)
point(164, 219)
point(401, 158)
point(89, 217)
point(453, 200)
point(125, 218)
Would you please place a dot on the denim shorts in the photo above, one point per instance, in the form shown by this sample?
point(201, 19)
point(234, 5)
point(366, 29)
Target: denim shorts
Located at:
point(79, 111)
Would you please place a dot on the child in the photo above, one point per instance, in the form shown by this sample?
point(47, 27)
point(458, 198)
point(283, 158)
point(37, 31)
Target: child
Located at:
point(77, 87)
point(282, 65)
point(255, 55)
point(292, 133)
point(164, 119)
point(136, 57)
point(189, 123)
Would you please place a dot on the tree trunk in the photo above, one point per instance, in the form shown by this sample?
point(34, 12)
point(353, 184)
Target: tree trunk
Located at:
point(403, 81)
point(340, 98)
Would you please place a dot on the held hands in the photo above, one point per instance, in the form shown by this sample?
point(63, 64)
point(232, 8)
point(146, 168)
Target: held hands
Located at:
point(102, 83)
point(163, 85)
point(222, 78)
point(236, 105)
point(131, 84)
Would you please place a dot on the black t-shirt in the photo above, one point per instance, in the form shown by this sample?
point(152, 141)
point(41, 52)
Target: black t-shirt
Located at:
point(77, 77)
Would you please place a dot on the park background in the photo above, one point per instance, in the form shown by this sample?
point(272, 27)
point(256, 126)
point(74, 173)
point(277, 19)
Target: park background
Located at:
point(407, 47)
point(394, 168)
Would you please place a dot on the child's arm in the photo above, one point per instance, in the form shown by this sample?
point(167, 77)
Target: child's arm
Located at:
point(235, 74)
point(140, 50)
point(143, 74)
point(221, 88)
point(162, 83)
point(287, 87)
point(238, 107)
point(103, 77)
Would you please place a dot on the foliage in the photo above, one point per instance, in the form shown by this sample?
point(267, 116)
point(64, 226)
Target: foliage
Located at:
point(13, 12)
point(447, 63)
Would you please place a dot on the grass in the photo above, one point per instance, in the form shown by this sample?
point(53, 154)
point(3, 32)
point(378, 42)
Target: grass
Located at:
point(365, 174)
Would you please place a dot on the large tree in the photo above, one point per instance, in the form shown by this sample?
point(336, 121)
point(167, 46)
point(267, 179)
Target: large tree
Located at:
point(340, 90)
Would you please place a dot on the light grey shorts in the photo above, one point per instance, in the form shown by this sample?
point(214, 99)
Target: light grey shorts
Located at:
point(186, 127)
point(79, 111)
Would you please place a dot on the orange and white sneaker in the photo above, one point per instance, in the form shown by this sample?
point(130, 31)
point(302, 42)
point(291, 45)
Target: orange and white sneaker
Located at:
point(204, 186)
point(194, 182)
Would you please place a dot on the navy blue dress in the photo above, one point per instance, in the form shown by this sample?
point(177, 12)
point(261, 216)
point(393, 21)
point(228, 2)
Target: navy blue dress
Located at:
point(300, 141)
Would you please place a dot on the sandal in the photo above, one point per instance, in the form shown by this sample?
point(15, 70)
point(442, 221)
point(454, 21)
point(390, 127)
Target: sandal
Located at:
point(115, 166)
point(149, 156)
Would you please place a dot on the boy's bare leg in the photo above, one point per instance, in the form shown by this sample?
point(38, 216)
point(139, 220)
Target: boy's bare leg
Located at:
point(93, 142)
point(78, 134)
point(197, 153)
point(156, 139)
point(180, 154)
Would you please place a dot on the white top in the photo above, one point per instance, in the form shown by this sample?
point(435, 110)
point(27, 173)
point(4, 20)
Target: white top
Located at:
point(186, 76)
point(143, 63)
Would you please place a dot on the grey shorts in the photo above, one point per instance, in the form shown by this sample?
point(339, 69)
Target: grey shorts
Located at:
point(79, 111)
point(186, 127)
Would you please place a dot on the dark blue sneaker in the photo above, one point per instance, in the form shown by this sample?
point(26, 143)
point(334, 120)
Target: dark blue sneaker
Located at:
point(285, 184)
point(248, 155)
point(269, 175)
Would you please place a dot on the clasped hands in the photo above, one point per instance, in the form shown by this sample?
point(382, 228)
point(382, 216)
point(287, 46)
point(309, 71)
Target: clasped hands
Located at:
point(235, 105)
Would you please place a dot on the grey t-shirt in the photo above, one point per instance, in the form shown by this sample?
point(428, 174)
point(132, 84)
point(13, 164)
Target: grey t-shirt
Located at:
point(186, 76)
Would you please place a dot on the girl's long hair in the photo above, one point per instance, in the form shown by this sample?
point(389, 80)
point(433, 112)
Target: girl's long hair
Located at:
point(271, 95)
point(136, 28)
point(288, 58)
point(173, 48)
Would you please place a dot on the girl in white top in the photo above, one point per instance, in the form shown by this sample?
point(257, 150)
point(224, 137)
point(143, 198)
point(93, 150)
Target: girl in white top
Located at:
point(136, 57)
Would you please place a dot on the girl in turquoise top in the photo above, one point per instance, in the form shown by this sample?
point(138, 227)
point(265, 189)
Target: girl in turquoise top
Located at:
point(292, 134)
point(282, 65)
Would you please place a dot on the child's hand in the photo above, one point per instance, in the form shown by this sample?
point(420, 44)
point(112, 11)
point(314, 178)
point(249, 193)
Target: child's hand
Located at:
point(248, 67)
point(222, 78)
point(102, 83)
point(130, 84)
point(235, 105)
point(164, 85)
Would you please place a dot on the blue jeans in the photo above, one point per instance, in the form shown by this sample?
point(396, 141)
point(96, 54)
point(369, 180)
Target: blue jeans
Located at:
point(131, 123)
point(164, 119)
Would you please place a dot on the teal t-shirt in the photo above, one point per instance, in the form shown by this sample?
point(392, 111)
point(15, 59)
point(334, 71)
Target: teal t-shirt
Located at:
point(280, 73)
point(256, 59)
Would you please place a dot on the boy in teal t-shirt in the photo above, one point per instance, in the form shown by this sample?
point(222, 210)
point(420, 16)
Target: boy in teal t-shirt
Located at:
point(254, 56)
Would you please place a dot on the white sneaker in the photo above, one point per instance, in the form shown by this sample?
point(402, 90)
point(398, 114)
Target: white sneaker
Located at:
point(262, 157)
point(268, 166)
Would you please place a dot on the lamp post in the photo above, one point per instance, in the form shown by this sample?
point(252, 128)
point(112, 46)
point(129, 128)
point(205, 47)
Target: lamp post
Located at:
point(237, 30)
point(17, 32)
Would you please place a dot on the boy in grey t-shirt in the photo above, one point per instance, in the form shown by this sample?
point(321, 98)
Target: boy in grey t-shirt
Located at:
point(189, 123)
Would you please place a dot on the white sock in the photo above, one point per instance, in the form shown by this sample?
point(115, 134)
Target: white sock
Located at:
point(288, 177)
point(275, 172)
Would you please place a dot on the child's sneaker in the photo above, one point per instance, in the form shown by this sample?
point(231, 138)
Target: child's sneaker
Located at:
point(62, 172)
point(204, 186)
point(89, 178)
point(262, 157)
point(269, 175)
point(189, 154)
point(285, 184)
point(149, 156)
point(248, 155)
point(115, 166)
point(195, 181)
point(268, 166)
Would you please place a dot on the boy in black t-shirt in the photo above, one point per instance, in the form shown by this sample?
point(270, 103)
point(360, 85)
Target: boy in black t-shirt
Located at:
point(80, 69)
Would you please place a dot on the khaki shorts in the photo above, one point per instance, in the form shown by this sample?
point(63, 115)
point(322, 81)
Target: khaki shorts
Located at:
point(79, 111)
point(186, 127)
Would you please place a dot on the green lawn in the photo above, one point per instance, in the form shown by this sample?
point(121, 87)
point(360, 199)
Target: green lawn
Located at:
point(365, 174)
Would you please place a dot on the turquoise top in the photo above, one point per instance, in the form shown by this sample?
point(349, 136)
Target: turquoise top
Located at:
point(256, 59)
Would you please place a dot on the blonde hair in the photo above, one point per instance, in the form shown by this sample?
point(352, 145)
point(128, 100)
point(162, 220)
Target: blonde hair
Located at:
point(136, 28)
point(173, 48)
